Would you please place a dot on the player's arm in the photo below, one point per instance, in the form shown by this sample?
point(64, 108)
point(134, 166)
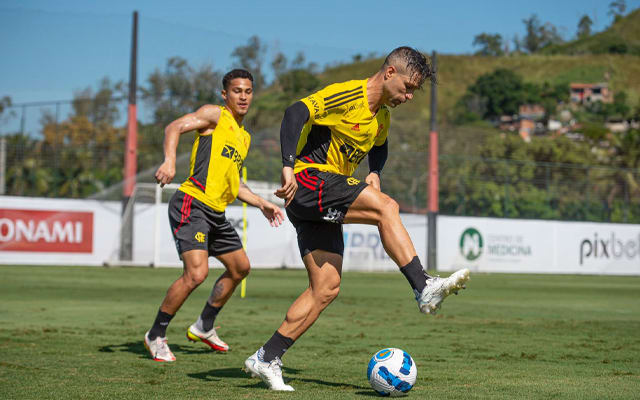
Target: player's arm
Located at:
point(377, 158)
point(206, 117)
point(294, 119)
point(272, 212)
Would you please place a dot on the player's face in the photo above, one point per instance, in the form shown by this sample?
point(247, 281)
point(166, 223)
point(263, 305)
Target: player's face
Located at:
point(399, 88)
point(238, 96)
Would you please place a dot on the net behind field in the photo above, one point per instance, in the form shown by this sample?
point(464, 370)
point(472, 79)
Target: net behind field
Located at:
point(76, 151)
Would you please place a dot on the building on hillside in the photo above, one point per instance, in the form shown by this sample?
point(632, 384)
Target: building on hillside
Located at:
point(527, 122)
point(554, 125)
point(527, 129)
point(533, 112)
point(508, 123)
point(583, 93)
point(617, 125)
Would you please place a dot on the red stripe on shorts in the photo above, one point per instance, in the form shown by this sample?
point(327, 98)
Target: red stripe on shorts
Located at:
point(308, 180)
point(313, 178)
point(303, 183)
point(185, 211)
point(320, 196)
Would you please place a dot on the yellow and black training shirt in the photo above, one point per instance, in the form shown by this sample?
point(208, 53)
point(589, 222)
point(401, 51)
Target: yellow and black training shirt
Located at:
point(216, 160)
point(341, 129)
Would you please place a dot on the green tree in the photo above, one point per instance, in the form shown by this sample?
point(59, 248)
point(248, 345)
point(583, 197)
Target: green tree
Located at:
point(490, 45)
point(279, 64)
point(539, 35)
point(251, 58)
point(28, 173)
point(501, 92)
point(180, 89)
point(584, 27)
point(5, 103)
point(83, 153)
point(620, 104)
point(617, 9)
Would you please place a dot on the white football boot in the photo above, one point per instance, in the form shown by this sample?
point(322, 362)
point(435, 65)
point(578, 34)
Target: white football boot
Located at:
point(210, 338)
point(437, 289)
point(269, 372)
point(158, 348)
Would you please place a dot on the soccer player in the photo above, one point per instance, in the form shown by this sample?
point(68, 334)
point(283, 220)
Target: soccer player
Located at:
point(196, 210)
point(323, 139)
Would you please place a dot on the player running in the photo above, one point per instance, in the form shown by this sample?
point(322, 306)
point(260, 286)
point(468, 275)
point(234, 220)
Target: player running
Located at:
point(196, 210)
point(323, 138)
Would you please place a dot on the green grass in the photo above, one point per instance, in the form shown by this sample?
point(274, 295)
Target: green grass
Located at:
point(76, 333)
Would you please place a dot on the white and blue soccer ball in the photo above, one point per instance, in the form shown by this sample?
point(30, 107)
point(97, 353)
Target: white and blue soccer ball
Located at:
point(392, 372)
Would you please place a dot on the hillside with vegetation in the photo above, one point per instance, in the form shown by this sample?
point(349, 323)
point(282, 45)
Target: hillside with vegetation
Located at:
point(622, 37)
point(593, 174)
point(457, 72)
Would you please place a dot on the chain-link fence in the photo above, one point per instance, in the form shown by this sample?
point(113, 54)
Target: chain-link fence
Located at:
point(75, 149)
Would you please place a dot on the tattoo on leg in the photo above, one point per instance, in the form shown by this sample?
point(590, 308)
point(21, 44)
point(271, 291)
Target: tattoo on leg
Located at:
point(218, 289)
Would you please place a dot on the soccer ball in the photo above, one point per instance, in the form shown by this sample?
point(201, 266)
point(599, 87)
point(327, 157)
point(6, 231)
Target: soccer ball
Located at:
point(392, 372)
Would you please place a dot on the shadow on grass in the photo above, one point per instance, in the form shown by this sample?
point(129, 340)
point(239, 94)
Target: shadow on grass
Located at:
point(331, 384)
point(138, 348)
point(226, 373)
point(217, 374)
point(222, 373)
point(369, 393)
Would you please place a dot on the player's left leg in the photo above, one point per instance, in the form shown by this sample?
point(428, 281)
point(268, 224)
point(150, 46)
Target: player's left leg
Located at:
point(373, 207)
point(237, 267)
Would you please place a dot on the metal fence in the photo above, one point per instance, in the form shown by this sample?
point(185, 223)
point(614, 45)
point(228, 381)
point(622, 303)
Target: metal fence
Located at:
point(70, 149)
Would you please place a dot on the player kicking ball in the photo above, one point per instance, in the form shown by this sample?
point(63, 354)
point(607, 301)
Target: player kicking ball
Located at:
point(196, 210)
point(323, 138)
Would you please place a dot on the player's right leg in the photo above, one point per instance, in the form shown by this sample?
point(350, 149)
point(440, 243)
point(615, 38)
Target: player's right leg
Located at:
point(194, 273)
point(376, 208)
point(188, 228)
point(324, 270)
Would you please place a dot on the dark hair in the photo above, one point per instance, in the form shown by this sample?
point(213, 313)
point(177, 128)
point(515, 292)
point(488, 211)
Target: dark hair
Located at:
point(233, 74)
point(414, 62)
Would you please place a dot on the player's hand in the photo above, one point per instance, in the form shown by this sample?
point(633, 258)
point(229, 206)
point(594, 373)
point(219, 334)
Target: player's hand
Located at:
point(373, 180)
point(166, 172)
point(273, 213)
point(289, 186)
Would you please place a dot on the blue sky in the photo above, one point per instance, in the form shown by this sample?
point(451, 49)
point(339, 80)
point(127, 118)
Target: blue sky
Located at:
point(52, 48)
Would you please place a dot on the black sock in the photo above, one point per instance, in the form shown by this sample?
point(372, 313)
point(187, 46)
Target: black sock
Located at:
point(415, 274)
point(276, 346)
point(159, 327)
point(208, 316)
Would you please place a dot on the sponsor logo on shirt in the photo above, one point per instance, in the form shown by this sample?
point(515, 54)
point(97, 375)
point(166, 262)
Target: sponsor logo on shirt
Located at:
point(231, 153)
point(353, 155)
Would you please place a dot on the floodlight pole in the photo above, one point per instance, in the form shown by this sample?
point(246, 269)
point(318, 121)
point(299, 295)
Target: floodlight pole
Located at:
point(432, 210)
point(130, 156)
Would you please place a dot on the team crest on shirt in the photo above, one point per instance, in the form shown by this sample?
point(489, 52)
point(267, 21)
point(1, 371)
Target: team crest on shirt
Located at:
point(200, 237)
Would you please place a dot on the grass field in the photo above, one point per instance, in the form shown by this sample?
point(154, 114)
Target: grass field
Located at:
point(76, 333)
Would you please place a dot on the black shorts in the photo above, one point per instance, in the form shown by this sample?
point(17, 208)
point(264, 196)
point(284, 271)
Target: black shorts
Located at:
point(319, 207)
point(197, 226)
